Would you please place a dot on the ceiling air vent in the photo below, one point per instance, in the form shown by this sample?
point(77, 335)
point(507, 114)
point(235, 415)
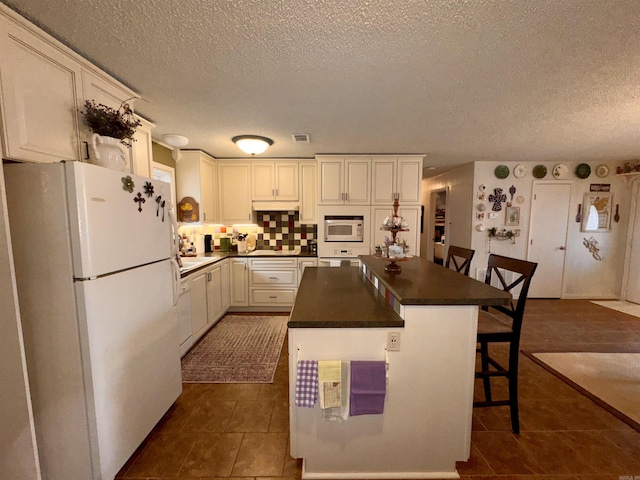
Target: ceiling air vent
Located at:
point(300, 138)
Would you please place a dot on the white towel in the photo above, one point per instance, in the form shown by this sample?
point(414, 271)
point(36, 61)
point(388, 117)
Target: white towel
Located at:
point(340, 413)
point(329, 378)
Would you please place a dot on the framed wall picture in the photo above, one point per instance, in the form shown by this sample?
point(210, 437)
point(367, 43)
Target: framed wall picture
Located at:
point(596, 212)
point(512, 216)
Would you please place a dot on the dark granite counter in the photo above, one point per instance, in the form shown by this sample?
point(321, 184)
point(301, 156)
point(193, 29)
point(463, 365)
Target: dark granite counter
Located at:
point(422, 282)
point(217, 255)
point(340, 298)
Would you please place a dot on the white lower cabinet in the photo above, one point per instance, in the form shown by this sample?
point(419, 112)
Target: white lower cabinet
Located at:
point(214, 295)
point(304, 263)
point(239, 283)
point(273, 282)
point(225, 276)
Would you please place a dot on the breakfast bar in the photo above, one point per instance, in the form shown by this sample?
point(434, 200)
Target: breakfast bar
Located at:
point(347, 314)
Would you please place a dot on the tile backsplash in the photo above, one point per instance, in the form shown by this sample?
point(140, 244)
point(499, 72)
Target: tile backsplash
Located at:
point(274, 231)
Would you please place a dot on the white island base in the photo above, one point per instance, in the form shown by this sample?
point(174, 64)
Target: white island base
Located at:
point(426, 425)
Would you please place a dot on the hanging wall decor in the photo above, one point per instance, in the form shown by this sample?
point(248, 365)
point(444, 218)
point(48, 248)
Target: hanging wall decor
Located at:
point(593, 247)
point(512, 216)
point(497, 198)
point(596, 212)
point(188, 210)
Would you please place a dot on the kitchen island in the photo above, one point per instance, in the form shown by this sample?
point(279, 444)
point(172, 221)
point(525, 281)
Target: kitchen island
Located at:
point(346, 314)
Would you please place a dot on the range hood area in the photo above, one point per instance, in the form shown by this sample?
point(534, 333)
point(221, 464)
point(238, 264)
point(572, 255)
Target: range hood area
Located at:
point(275, 206)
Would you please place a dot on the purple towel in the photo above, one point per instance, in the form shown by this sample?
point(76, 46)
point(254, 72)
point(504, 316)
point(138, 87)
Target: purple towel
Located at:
point(368, 388)
point(307, 383)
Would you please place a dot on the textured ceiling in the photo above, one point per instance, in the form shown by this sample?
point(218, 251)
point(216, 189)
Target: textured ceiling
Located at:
point(458, 80)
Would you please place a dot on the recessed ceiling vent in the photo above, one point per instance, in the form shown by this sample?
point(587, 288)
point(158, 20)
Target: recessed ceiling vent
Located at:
point(300, 138)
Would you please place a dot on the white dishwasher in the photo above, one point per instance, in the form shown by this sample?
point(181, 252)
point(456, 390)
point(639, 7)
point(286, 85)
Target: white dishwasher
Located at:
point(183, 310)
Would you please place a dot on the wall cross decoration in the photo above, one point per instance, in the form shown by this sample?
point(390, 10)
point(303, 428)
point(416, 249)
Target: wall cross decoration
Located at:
point(497, 198)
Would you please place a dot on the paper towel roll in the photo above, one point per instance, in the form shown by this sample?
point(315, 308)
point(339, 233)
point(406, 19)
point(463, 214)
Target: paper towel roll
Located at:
point(199, 243)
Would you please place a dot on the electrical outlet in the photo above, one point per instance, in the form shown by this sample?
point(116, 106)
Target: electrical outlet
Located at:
point(393, 341)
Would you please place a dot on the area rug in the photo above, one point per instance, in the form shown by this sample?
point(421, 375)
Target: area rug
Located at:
point(610, 379)
point(238, 349)
point(620, 306)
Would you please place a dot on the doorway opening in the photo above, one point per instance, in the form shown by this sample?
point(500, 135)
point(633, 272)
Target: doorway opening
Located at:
point(439, 206)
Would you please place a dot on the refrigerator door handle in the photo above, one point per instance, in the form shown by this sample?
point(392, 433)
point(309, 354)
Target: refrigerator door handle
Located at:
point(176, 280)
point(175, 266)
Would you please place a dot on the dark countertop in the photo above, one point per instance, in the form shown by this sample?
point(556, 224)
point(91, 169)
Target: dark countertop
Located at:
point(217, 255)
point(340, 298)
point(422, 282)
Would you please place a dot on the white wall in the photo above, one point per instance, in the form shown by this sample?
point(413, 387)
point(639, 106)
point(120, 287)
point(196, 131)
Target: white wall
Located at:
point(585, 277)
point(18, 456)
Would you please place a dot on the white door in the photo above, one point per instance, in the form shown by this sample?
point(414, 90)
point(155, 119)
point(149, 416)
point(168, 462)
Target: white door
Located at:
point(548, 237)
point(633, 274)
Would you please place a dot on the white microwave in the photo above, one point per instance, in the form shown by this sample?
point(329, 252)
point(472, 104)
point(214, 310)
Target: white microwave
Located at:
point(343, 228)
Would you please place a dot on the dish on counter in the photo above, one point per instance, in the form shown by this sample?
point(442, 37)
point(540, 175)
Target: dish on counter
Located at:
point(560, 171)
point(501, 171)
point(539, 171)
point(602, 171)
point(583, 171)
point(519, 171)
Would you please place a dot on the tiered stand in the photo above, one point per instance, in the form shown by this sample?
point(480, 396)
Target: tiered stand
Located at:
point(393, 267)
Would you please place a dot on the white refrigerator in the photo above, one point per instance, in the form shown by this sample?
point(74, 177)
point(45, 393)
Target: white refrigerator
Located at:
point(93, 251)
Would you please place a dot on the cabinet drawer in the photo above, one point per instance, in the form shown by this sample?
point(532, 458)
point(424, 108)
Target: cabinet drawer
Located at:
point(263, 296)
point(291, 262)
point(273, 277)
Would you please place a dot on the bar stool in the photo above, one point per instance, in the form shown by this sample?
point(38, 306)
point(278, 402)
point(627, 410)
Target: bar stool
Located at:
point(504, 326)
point(461, 258)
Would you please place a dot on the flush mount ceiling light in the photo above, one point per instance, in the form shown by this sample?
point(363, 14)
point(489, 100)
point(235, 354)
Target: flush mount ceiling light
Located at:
point(175, 141)
point(252, 144)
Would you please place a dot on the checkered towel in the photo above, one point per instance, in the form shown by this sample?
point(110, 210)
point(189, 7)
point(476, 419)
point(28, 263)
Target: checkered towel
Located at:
point(307, 383)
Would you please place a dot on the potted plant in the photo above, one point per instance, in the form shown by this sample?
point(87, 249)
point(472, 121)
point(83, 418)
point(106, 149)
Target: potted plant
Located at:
point(110, 128)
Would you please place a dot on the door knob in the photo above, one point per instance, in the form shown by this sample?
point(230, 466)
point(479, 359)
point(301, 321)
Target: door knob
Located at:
point(562, 248)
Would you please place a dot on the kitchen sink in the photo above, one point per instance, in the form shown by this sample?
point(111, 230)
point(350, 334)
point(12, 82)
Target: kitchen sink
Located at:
point(189, 263)
point(276, 253)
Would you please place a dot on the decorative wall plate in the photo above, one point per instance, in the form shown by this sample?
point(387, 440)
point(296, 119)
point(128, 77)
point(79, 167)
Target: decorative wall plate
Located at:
point(519, 171)
point(539, 171)
point(520, 199)
point(501, 171)
point(583, 171)
point(602, 171)
point(560, 171)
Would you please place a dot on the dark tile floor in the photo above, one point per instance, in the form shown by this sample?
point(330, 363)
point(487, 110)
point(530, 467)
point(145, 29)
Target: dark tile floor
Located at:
point(241, 430)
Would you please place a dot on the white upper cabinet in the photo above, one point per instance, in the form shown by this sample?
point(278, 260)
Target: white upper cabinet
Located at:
point(343, 180)
point(39, 97)
point(43, 88)
point(308, 192)
point(141, 153)
point(396, 177)
point(234, 189)
point(274, 181)
point(196, 178)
